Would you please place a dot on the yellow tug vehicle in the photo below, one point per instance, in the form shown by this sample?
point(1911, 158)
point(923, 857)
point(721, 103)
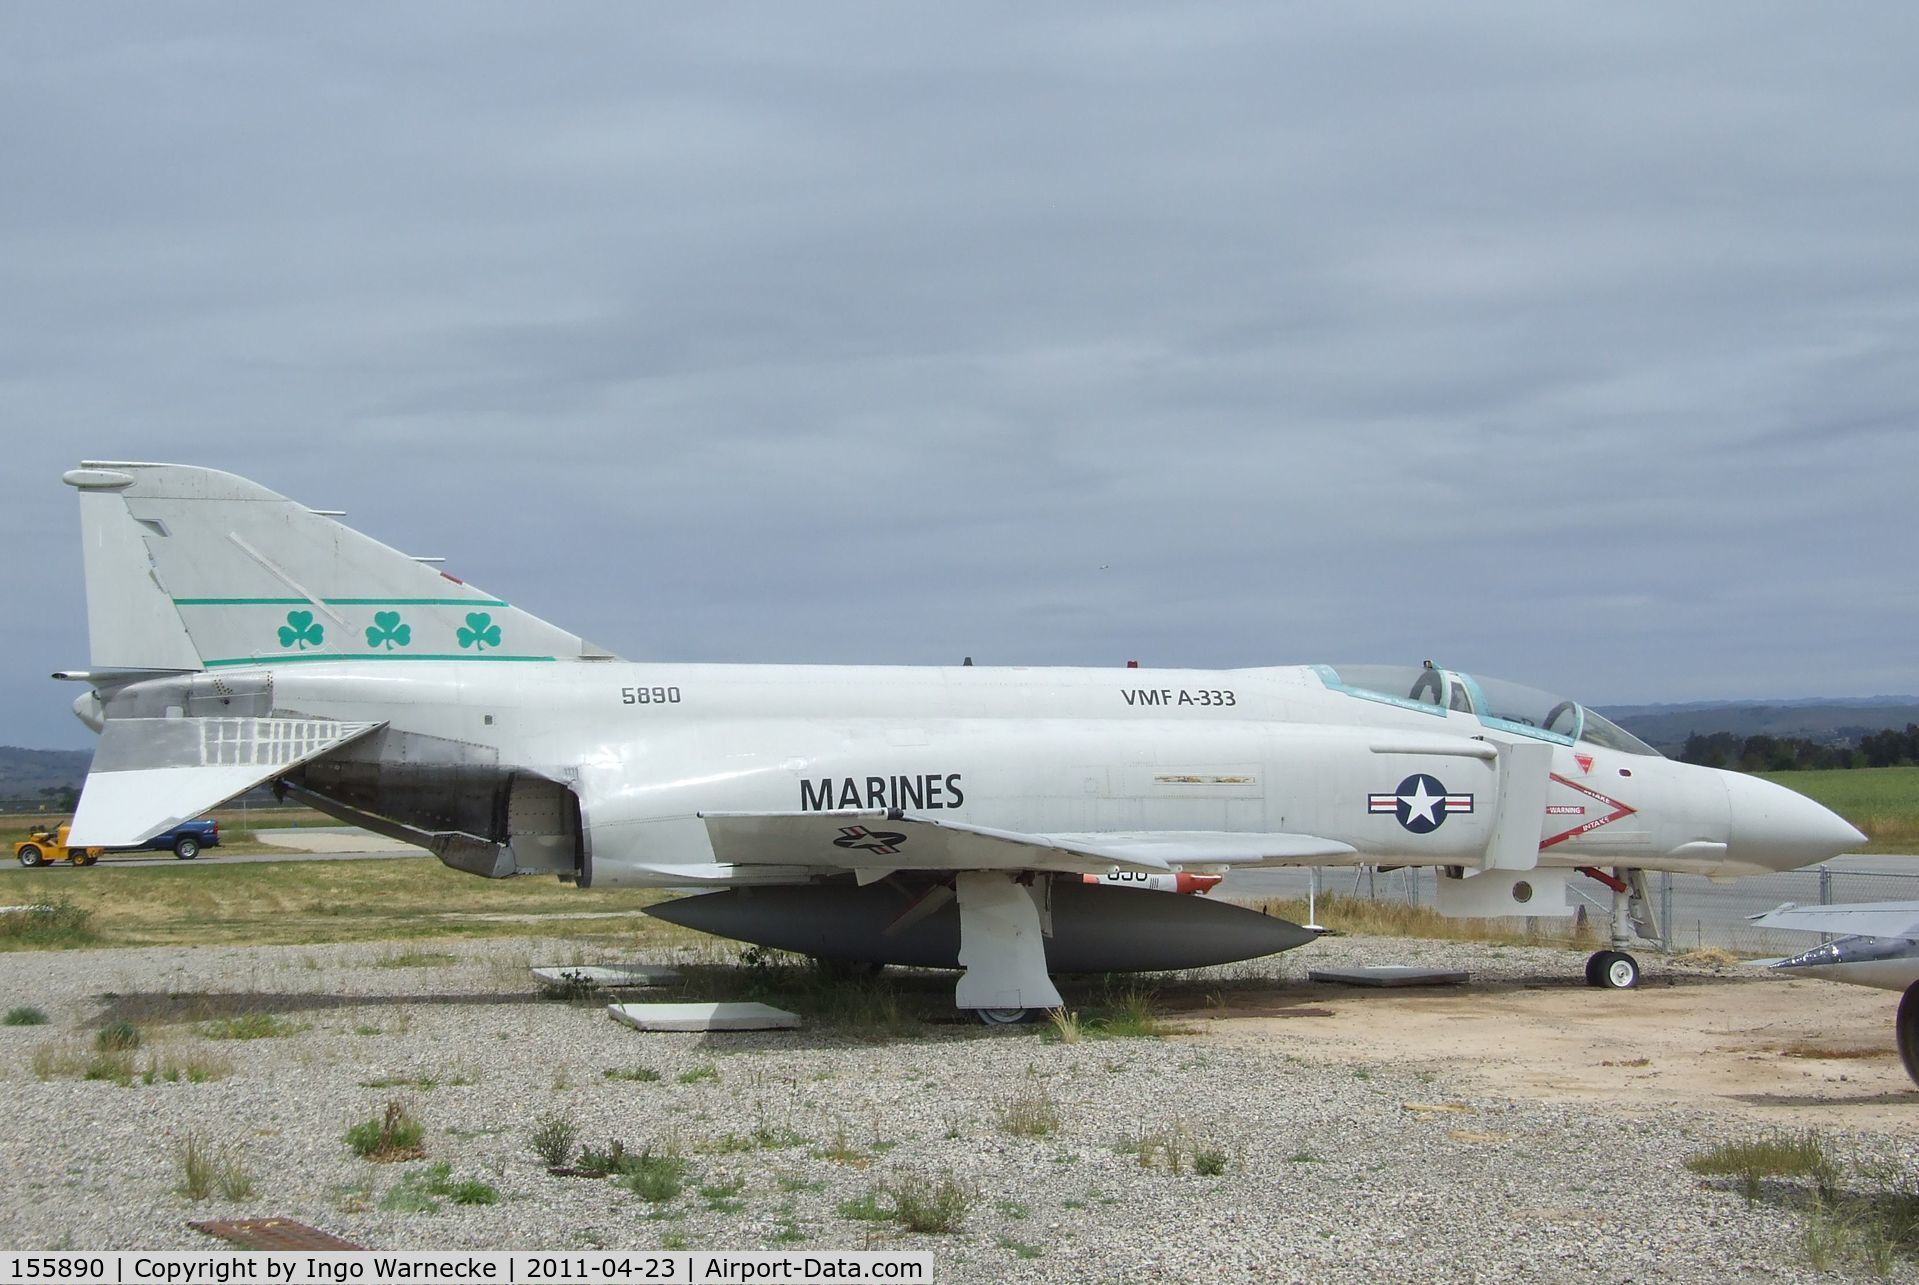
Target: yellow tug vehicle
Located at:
point(44, 846)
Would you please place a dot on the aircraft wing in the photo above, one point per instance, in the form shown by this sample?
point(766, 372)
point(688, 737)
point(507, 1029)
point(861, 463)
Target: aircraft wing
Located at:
point(1863, 919)
point(879, 840)
point(150, 774)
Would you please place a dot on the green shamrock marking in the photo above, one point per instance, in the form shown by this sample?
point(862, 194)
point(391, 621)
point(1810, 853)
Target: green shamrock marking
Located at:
point(301, 628)
point(480, 631)
point(388, 630)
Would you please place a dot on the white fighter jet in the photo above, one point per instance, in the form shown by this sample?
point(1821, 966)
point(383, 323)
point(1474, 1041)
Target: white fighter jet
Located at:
point(1875, 943)
point(931, 816)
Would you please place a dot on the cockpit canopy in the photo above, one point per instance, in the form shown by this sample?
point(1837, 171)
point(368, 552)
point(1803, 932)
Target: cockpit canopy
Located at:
point(1511, 707)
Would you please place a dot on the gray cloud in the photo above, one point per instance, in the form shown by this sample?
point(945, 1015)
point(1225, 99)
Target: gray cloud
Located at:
point(1569, 345)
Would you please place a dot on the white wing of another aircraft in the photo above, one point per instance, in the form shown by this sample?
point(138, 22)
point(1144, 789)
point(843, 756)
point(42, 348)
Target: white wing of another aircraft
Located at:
point(1861, 919)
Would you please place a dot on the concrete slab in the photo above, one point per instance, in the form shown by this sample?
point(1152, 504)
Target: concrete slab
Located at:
point(703, 1017)
point(607, 974)
point(329, 839)
point(1390, 975)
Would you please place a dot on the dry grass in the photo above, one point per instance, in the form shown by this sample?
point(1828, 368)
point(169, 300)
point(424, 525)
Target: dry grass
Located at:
point(1707, 957)
point(1888, 831)
point(1819, 1053)
point(71, 1059)
point(302, 902)
point(1174, 1147)
point(1857, 1212)
point(1882, 801)
point(1030, 1112)
point(1361, 916)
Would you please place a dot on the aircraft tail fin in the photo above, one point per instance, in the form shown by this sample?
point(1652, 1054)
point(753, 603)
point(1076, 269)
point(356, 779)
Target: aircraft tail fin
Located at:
point(191, 568)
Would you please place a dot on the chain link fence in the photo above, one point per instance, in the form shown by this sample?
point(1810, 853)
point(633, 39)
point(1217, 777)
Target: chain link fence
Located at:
point(1694, 912)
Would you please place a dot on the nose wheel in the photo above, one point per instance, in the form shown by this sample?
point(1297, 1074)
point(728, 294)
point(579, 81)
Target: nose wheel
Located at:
point(1632, 915)
point(1613, 970)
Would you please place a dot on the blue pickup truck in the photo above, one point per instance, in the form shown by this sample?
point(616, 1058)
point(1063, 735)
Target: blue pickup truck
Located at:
point(186, 839)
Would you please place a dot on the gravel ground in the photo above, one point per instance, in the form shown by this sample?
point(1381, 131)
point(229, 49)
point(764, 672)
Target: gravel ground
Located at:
point(1340, 1171)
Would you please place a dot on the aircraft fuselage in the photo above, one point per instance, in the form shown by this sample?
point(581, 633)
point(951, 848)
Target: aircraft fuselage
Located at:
point(647, 748)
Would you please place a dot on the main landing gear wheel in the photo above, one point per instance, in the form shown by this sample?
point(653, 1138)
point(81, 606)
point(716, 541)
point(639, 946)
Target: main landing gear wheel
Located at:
point(1613, 970)
point(1908, 1028)
point(186, 847)
point(1002, 1016)
point(30, 857)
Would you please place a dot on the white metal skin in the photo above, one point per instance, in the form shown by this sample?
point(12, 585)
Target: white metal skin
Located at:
point(1038, 751)
point(239, 636)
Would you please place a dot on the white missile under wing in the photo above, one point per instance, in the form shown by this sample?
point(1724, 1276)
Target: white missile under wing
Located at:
point(1874, 943)
point(944, 816)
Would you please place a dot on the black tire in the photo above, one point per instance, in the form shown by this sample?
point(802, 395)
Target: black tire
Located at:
point(1908, 1028)
point(30, 856)
point(1620, 972)
point(84, 858)
point(186, 847)
point(1593, 962)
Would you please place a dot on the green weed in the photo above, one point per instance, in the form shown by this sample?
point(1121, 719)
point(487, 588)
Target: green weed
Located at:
point(194, 1158)
point(654, 1176)
point(1018, 1248)
point(926, 1204)
point(194, 1067)
point(634, 1074)
point(113, 1067)
point(1029, 1113)
point(552, 1140)
point(249, 1026)
point(416, 1192)
point(117, 1037)
point(392, 1136)
point(416, 958)
point(205, 1168)
point(1133, 1013)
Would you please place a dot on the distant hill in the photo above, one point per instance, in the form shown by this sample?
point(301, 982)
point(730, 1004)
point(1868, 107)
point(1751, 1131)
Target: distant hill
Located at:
point(26, 774)
point(1830, 721)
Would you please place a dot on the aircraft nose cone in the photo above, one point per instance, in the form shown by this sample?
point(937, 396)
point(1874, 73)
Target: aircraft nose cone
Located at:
point(1782, 829)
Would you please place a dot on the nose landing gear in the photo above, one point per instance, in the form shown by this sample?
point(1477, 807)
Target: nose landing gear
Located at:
point(1632, 915)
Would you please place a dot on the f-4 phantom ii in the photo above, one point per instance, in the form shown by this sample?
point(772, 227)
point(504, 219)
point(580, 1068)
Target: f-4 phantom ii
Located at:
point(944, 817)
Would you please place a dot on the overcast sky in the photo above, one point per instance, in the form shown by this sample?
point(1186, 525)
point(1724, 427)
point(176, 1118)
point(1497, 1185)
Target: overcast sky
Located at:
point(1577, 345)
